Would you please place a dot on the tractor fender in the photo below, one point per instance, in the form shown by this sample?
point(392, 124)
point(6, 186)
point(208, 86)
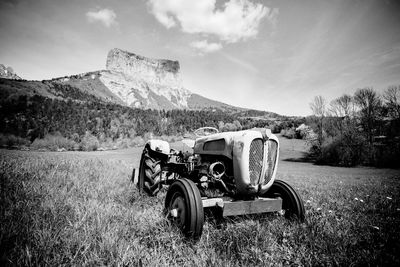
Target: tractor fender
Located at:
point(159, 146)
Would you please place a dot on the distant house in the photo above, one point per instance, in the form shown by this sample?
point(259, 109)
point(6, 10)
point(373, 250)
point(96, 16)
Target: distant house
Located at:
point(305, 131)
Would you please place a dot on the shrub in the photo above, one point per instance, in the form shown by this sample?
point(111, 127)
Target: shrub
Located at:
point(122, 143)
point(89, 142)
point(304, 131)
point(53, 142)
point(229, 127)
point(147, 136)
point(289, 133)
point(75, 137)
point(386, 155)
point(137, 141)
point(342, 151)
point(106, 143)
point(170, 138)
point(9, 140)
point(275, 128)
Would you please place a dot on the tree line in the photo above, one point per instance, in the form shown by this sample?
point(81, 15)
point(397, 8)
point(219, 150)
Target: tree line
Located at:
point(80, 115)
point(363, 128)
point(71, 114)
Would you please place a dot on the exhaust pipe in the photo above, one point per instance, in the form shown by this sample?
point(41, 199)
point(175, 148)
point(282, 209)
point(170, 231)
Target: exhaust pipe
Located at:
point(217, 170)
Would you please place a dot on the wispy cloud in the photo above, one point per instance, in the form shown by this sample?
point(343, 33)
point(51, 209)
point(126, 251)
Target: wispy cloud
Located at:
point(205, 47)
point(105, 16)
point(237, 20)
point(240, 62)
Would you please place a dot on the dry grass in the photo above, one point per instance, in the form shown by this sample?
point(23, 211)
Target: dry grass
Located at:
point(69, 209)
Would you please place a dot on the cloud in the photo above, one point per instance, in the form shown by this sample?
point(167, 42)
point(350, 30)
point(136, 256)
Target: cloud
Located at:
point(240, 62)
point(205, 47)
point(105, 16)
point(237, 20)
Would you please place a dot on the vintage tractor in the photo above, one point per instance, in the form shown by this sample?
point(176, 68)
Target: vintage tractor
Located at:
point(232, 173)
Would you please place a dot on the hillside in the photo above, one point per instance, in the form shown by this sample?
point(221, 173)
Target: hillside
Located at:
point(81, 87)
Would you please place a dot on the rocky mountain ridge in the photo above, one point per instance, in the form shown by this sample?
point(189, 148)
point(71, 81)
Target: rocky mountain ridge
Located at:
point(8, 73)
point(143, 82)
point(129, 79)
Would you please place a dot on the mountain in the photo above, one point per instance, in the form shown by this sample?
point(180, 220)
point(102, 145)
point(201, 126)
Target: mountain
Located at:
point(129, 79)
point(151, 83)
point(8, 73)
point(143, 82)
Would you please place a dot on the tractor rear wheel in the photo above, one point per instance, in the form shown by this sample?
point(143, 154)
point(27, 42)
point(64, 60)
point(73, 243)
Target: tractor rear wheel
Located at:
point(149, 174)
point(292, 204)
point(184, 208)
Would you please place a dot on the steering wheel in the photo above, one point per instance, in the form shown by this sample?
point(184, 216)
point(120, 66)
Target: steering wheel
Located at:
point(205, 131)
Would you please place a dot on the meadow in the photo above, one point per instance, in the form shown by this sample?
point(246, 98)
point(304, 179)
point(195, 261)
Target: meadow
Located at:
point(81, 208)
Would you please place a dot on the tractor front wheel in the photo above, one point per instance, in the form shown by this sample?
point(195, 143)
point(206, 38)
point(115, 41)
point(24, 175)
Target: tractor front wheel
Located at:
point(184, 208)
point(292, 204)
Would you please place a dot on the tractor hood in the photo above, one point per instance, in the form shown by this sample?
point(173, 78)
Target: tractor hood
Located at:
point(217, 144)
point(225, 143)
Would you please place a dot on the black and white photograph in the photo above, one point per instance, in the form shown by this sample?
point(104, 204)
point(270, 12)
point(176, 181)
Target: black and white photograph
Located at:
point(200, 133)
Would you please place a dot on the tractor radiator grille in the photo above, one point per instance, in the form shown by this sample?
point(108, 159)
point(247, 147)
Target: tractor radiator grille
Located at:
point(256, 160)
point(271, 160)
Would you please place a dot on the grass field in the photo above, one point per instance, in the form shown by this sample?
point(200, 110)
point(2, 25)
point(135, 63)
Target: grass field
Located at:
point(81, 209)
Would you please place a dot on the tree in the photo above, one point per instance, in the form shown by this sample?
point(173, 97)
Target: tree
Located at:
point(318, 107)
point(221, 125)
point(229, 127)
point(392, 101)
point(115, 125)
point(342, 110)
point(342, 106)
point(238, 125)
point(370, 105)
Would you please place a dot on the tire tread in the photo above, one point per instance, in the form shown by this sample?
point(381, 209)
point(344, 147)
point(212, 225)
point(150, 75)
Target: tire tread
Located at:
point(149, 174)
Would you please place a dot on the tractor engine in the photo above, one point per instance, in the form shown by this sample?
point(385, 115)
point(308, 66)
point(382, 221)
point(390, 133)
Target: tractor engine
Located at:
point(237, 163)
point(213, 178)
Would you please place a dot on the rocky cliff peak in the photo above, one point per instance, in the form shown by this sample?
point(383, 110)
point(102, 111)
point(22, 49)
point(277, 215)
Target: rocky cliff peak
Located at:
point(8, 73)
point(157, 71)
point(145, 82)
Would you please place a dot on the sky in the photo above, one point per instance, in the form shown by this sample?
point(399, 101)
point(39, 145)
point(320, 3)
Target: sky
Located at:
point(274, 55)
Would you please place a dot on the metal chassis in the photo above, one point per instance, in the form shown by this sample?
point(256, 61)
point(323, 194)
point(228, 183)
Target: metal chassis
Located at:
point(243, 207)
